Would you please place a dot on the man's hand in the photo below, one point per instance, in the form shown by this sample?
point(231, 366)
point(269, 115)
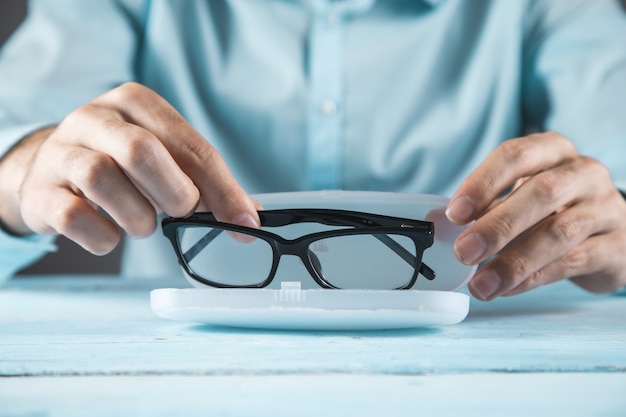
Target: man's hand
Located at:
point(127, 152)
point(563, 218)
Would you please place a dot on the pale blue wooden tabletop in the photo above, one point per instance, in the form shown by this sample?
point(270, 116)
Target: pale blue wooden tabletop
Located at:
point(89, 346)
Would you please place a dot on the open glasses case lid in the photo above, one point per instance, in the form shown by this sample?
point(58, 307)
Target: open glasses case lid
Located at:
point(293, 300)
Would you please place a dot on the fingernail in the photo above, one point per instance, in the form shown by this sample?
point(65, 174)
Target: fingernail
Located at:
point(460, 209)
point(470, 248)
point(485, 284)
point(446, 230)
point(247, 221)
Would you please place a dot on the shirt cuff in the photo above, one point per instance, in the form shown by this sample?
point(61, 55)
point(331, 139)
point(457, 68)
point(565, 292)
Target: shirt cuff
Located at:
point(17, 253)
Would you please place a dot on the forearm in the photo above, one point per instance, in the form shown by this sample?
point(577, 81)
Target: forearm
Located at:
point(13, 169)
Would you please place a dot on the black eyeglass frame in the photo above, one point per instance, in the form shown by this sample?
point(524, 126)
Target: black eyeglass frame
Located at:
point(420, 232)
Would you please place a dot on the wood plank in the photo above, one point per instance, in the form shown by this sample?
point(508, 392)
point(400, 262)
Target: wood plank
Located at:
point(495, 394)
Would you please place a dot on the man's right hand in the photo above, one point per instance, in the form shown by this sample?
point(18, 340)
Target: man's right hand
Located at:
point(128, 152)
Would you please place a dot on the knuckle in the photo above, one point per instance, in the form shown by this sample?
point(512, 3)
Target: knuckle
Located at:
point(575, 261)
point(595, 168)
point(519, 267)
point(77, 117)
point(67, 215)
point(489, 185)
point(132, 92)
point(516, 150)
point(139, 149)
point(503, 227)
point(183, 201)
point(552, 135)
point(536, 279)
point(92, 171)
point(112, 125)
point(208, 155)
point(127, 93)
point(564, 229)
point(564, 142)
point(548, 187)
point(69, 220)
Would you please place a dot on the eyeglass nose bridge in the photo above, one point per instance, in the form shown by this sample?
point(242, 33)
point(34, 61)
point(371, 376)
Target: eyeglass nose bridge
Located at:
point(300, 250)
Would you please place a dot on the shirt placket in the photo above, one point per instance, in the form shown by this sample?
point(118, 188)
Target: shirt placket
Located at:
point(326, 105)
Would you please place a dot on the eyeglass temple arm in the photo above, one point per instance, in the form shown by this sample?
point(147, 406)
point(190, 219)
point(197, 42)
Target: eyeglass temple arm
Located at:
point(204, 241)
point(345, 218)
point(424, 269)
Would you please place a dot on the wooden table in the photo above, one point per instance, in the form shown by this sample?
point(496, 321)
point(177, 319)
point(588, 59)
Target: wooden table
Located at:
point(91, 346)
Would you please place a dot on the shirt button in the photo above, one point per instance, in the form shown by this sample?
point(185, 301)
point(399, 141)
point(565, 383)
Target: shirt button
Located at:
point(328, 107)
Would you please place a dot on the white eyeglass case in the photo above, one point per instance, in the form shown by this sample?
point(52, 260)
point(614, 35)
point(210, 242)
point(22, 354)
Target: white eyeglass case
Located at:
point(295, 302)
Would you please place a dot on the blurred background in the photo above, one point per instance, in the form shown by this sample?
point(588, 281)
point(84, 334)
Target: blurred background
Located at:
point(70, 258)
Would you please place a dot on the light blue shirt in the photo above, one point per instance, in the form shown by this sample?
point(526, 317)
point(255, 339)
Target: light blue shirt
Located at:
point(403, 95)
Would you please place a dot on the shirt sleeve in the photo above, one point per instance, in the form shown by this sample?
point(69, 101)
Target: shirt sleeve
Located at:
point(575, 76)
point(19, 252)
point(65, 53)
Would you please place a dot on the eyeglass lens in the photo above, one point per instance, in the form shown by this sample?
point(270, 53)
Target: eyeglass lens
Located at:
point(223, 259)
point(363, 261)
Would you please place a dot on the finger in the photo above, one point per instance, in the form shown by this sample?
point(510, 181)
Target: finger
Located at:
point(591, 265)
point(545, 193)
point(138, 152)
point(247, 221)
point(257, 205)
point(98, 178)
point(446, 230)
point(72, 216)
point(505, 195)
point(219, 191)
point(514, 159)
point(522, 263)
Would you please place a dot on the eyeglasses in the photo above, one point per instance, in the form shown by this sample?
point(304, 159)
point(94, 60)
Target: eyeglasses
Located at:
point(351, 250)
